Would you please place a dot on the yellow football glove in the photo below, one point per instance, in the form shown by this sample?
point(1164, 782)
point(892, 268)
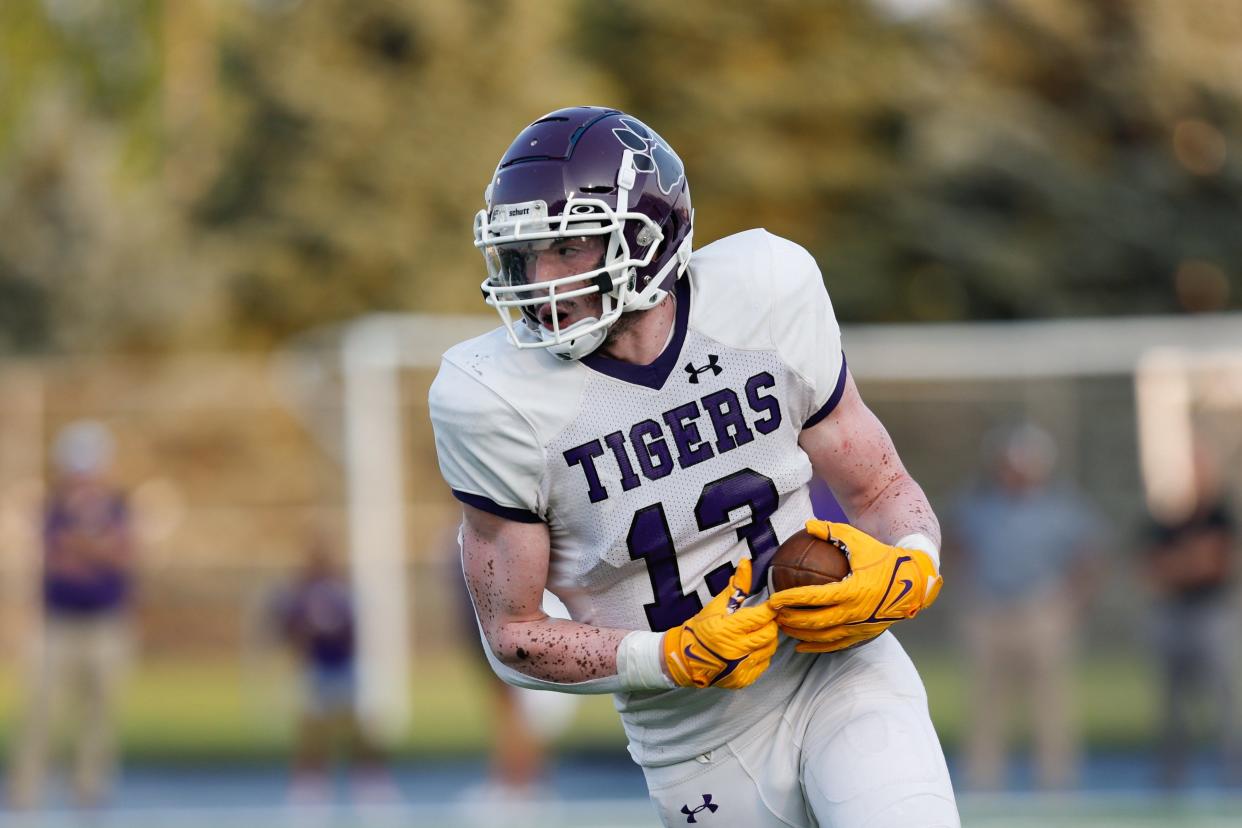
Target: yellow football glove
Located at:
point(886, 584)
point(725, 644)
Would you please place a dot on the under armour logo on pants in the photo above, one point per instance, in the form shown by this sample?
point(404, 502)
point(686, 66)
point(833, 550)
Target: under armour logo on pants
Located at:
point(707, 805)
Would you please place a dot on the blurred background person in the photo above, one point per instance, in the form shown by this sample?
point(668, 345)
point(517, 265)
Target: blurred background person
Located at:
point(81, 655)
point(1028, 548)
point(315, 615)
point(1190, 566)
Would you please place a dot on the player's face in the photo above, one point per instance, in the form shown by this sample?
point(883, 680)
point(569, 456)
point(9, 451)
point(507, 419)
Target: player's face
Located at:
point(549, 260)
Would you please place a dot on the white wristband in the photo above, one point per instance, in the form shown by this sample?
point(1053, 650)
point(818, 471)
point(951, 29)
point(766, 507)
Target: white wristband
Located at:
point(918, 540)
point(640, 662)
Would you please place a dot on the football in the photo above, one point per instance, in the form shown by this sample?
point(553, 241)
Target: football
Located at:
point(805, 560)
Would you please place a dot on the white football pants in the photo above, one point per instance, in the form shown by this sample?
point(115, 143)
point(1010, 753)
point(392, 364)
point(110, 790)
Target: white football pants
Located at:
point(855, 748)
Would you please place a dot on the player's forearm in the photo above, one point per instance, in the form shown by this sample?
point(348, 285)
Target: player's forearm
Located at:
point(853, 452)
point(896, 509)
point(528, 647)
point(557, 650)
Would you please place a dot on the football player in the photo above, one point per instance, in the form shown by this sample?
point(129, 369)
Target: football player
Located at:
point(638, 437)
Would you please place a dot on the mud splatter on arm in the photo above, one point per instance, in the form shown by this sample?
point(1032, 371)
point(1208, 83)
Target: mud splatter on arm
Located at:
point(852, 452)
point(506, 566)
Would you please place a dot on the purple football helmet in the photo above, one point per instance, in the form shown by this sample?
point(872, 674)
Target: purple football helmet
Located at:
point(571, 175)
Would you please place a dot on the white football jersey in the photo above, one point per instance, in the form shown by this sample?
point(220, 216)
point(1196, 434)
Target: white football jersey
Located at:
point(655, 480)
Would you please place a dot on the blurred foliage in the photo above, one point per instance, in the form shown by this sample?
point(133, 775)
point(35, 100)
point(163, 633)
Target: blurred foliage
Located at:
point(205, 173)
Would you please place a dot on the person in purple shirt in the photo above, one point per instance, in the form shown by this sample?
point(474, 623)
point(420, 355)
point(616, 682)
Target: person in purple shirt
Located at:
point(315, 615)
point(88, 573)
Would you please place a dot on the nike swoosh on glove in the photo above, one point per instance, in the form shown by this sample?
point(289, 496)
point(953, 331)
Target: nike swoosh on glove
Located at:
point(724, 644)
point(886, 584)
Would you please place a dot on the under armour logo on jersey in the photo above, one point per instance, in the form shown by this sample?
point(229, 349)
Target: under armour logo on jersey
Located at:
point(707, 805)
point(713, 365)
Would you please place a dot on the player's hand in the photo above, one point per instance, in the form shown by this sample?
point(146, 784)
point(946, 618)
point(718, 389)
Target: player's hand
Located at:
point(886, 584)
point(725, 644)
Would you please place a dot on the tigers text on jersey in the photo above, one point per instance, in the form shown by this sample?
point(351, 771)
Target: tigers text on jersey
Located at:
point(655, 480)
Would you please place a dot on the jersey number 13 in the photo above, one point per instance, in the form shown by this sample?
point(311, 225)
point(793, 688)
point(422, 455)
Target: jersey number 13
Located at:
point(650, 540)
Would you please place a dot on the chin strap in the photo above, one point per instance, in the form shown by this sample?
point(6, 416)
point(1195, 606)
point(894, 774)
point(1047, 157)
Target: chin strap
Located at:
point(580, 346)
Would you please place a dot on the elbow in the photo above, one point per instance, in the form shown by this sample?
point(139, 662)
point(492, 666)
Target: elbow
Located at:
point(512, 663)
point(515, 656)
point(506, 648)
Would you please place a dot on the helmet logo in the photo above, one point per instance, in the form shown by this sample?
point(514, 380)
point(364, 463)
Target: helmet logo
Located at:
point(651, 154)
point(532, 213)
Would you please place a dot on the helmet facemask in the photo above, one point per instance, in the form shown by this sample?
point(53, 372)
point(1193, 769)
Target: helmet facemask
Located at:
point(510, 236)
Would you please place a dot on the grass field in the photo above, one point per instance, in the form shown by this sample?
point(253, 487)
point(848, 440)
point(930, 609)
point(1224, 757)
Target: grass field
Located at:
point(196, 711)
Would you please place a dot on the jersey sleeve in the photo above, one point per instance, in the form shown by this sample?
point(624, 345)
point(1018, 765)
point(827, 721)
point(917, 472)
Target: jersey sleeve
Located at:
point(804, 328)
point(488, 453)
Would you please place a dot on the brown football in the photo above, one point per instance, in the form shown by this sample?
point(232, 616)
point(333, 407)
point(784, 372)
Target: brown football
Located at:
point(805, 560)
